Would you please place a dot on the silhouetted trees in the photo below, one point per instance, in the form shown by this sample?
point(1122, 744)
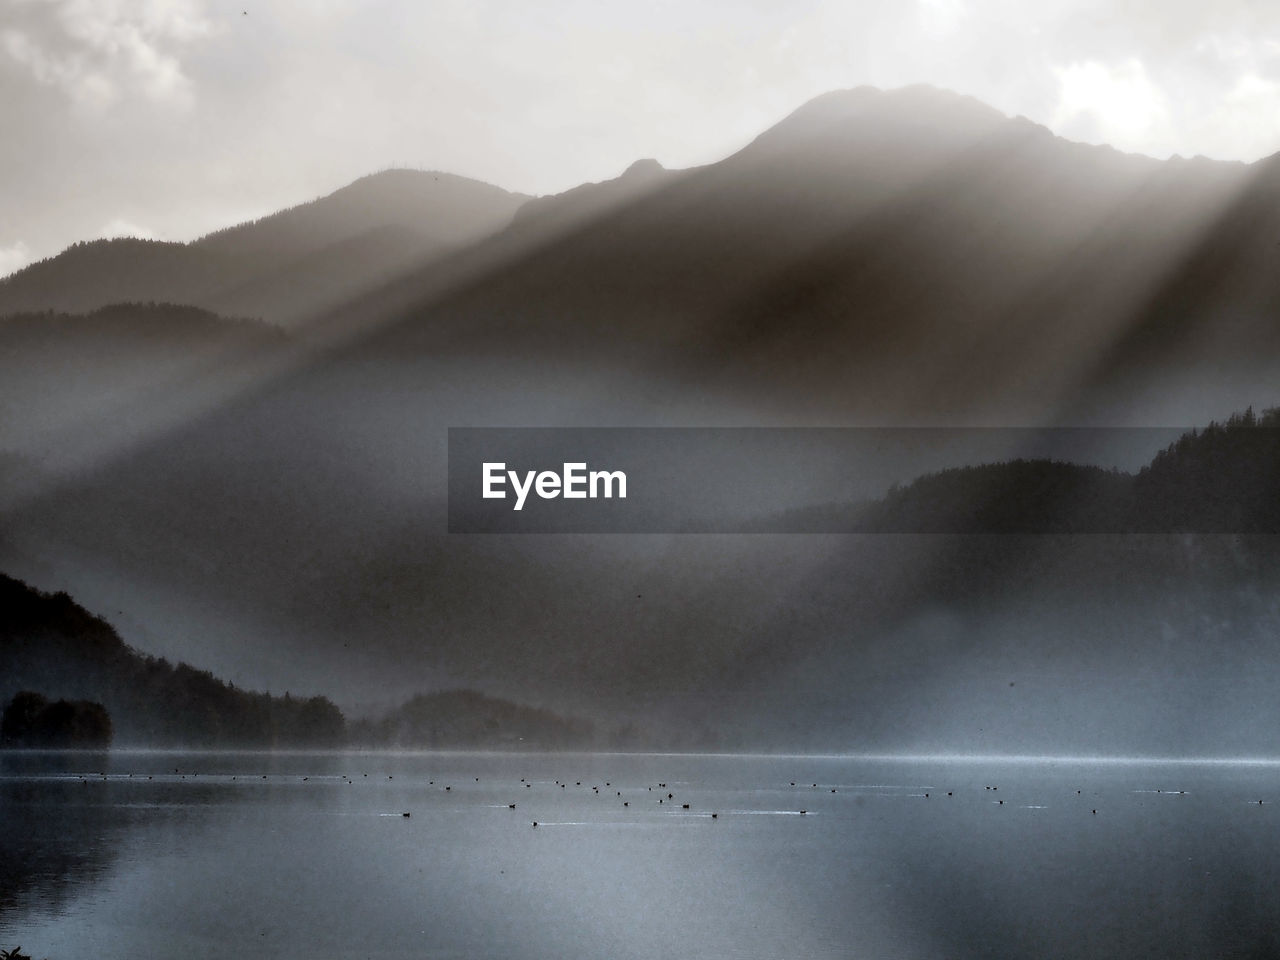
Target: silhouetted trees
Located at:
point(284, 267)
point(1018, 496)
point(30, 720)
point(1222, 479)
point(49, 643)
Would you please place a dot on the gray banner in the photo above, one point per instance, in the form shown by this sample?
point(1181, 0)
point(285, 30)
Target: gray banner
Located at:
point(863, 480)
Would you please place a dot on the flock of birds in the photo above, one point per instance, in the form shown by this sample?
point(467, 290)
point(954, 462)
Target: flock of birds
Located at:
point(666, 794)
point(179, 775)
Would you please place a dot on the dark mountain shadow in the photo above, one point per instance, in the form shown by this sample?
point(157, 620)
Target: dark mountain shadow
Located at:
point(1202, 327)
point(875, 255)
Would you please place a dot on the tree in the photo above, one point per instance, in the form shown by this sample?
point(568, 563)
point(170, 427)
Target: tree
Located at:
point(30, 720)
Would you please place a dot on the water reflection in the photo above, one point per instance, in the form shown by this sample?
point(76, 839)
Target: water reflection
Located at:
point(142, 855)
point(48, 859)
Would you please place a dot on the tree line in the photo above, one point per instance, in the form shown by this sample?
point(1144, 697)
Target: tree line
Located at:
point(68, 680)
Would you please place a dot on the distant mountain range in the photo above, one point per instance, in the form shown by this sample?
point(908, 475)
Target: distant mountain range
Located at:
point(875, 254)
point(266, 497)
point(905, 256)
point(284, 267)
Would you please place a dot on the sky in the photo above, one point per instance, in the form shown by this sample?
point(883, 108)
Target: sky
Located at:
point(170, 118)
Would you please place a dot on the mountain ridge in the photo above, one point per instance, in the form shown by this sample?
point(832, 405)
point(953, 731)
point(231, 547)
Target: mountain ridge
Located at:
point(883, 263)
point(51, 643)
point(997, 278)
point(244, 268)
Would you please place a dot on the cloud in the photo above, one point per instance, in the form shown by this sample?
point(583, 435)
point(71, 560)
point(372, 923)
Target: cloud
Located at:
point(13, 257)
point(941, 16)
point(83, 84)
point(120, 227)
point(101, 51)
point(1118, 104)
point(1247, 119)
point(186, 115)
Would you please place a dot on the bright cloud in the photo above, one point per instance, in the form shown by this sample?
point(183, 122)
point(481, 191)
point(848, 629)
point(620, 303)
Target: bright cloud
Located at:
point(13, 257)
point(100, 51)
point(188, 114)
point(120, 227)
point(1247, 119)
point(940, 16)
point(1118, 104)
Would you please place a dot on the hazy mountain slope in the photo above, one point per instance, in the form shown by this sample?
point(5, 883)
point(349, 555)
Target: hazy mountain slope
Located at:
point(319, 279)
point(898, 257)
point(282, 267)
point(49, 644)
point(590, 201)
point(52, 646)
point(1224, 479)
point(1208, 330)
point(100, 272)
point(466, 718)
point(786, 641)
point(449, 209)
point(70, 376)
point(909, 254)
point(1099, 643)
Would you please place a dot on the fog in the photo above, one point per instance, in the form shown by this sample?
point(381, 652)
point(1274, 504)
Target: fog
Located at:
point(944, 583)
point(269, 503)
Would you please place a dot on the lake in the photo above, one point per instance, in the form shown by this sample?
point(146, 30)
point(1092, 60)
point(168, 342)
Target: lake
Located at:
point(167, 854)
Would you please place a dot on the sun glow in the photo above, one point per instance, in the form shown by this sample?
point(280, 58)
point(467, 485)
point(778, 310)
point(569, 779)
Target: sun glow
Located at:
point(1117, 104)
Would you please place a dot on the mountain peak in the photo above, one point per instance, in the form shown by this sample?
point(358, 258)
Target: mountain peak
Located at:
point(643, 169)
point(283, 267)
point(914, 116)
point(917, 98)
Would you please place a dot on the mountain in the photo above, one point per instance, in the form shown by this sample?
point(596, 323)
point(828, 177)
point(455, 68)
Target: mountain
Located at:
point(901, 257)
point(49, 644)
point(1224, 479)
point(886, 641)
point(281, 268)
point(579, 206)
point(70, 382)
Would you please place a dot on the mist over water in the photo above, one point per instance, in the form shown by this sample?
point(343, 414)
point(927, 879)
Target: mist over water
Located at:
point(311, 855)
point(234, 455)
point(271, 505)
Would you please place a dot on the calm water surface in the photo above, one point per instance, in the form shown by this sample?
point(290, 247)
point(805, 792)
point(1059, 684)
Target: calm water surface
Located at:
point(146, 855)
